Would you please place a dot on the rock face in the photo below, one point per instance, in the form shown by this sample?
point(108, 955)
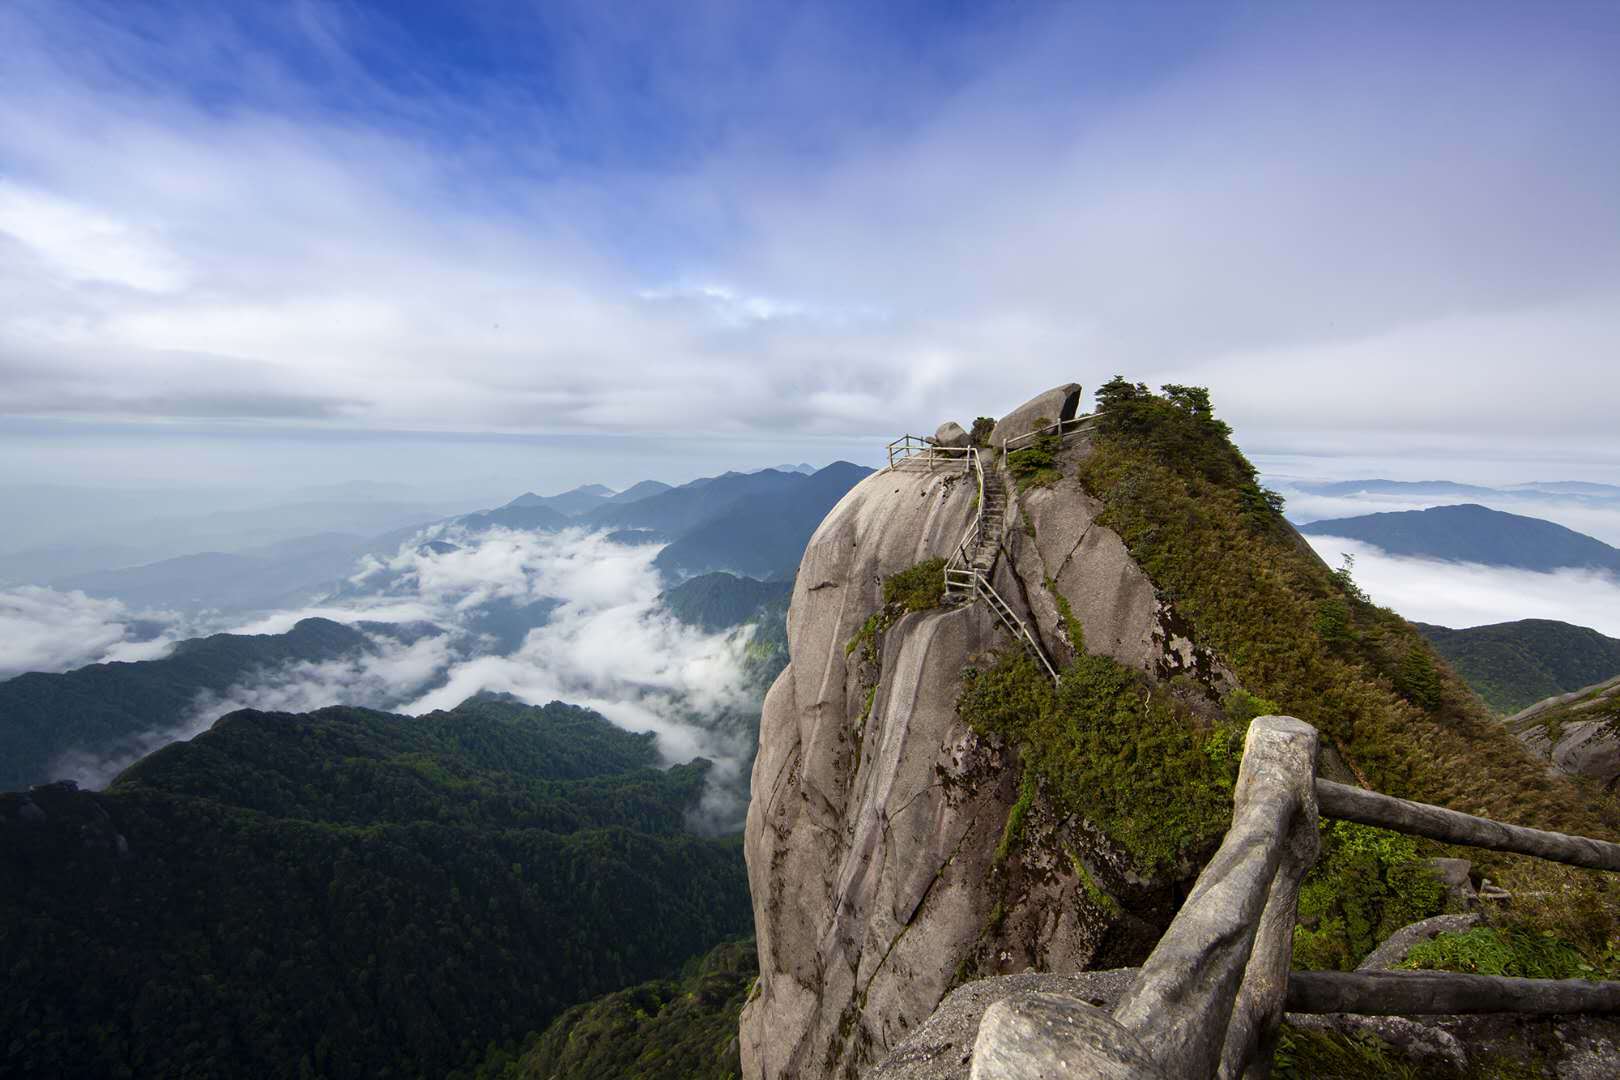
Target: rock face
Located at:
point(1578, 732)
point(876, 812)
point(951, 434)
point(1058, 403)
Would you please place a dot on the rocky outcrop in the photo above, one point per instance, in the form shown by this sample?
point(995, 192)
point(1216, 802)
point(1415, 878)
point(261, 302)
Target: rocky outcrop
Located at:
point(951, 434)
point(1578, 732)
point(876, 811)
point(1058, 403)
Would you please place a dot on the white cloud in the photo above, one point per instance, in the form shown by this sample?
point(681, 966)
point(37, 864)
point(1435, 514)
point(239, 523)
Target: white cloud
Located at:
point(1459, 594)
point(85, 245)
point(607, 645)
point(1340, 256)
point(42, 629)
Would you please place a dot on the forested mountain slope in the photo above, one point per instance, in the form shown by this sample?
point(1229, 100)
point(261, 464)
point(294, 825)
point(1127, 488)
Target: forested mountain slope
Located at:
point(348, 893)
point(101, 705)
point(665, 1029)
point(1513, 665)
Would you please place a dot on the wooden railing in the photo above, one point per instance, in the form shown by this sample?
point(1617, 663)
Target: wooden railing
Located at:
point(1209, 998)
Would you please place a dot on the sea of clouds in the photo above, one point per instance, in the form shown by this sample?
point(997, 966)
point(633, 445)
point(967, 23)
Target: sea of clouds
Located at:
point(604, 641)
point(1462, 594)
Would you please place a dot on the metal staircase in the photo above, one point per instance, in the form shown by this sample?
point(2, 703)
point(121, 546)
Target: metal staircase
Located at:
point(968, 570)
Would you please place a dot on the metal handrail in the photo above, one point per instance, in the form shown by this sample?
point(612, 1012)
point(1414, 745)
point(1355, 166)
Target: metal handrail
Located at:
point(1010, 619)
point(960, 573)
point(975, 529)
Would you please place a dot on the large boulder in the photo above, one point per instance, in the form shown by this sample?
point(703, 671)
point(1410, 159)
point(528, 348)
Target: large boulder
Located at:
point(1058, 403)
point(951, 434)
point(876, 811)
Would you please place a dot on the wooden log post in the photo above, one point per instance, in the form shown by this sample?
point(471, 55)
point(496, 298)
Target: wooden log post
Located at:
point(1420, 819)
point(1418, 993)
point(1214, 980)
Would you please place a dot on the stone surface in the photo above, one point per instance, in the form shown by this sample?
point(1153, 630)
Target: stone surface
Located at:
point(1058, 403)
point(1565, 1047)
point(872, 830)
point(1394, 948)
point(1454, 874)
point(1578, 732)
point(951, 433)
point(1035, 1036)
point(941, 1049)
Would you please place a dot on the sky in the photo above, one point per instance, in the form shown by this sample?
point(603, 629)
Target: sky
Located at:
point(583, 241)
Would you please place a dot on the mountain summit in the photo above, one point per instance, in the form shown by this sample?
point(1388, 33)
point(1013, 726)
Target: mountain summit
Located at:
point(1006, 740)
point(1469, 532)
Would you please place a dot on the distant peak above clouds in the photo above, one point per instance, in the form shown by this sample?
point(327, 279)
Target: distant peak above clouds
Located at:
point(1477, 534)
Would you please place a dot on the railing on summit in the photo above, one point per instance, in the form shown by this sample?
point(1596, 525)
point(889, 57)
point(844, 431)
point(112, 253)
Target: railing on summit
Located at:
point(962, 577)
point(1061, 428)
point(1210, 997)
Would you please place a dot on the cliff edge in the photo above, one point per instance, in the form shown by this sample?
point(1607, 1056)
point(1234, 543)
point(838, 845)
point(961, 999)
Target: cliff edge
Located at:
point(877, 811)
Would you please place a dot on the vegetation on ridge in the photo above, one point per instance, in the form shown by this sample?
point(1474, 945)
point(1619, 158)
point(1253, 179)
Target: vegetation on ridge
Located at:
point(667, 1029)
point(1189, 508)
point(1147, 764)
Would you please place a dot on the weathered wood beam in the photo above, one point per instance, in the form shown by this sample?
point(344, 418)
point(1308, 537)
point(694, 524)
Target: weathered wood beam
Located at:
point(1420, 819)
point(1417, 993)
point(1185, 1005)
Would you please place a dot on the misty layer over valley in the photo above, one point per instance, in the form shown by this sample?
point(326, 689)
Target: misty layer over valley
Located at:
point(617, 602)
point(1467, 554)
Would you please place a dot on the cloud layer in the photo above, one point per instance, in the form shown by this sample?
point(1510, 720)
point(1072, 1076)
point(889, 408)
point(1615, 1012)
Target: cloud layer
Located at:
point(1458, 594)
point(1360, 225)
point(589, 631)
point(46, 630)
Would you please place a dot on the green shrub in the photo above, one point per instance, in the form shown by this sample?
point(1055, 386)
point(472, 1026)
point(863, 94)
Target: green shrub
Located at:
point(1490, 950)
point(1366, 884)
point(1308, 1054)
point(1241, 706)
point(982, 427)
point(1104, 744)
point(1035, 465)
point(919, 588)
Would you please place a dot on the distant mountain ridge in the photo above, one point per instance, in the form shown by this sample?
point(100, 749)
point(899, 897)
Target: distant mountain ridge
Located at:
point(1473, 533)
point(762, 534)
point(1513, 665)
point(101, 706)
point(1378, 486)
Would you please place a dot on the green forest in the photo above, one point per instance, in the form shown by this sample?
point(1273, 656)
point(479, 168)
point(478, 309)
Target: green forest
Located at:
point(350, 893)
point(101, 705)
point(1513, 665)
point(665, 1029)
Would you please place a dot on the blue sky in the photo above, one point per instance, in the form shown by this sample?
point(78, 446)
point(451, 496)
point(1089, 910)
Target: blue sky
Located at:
point(1385, 230)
